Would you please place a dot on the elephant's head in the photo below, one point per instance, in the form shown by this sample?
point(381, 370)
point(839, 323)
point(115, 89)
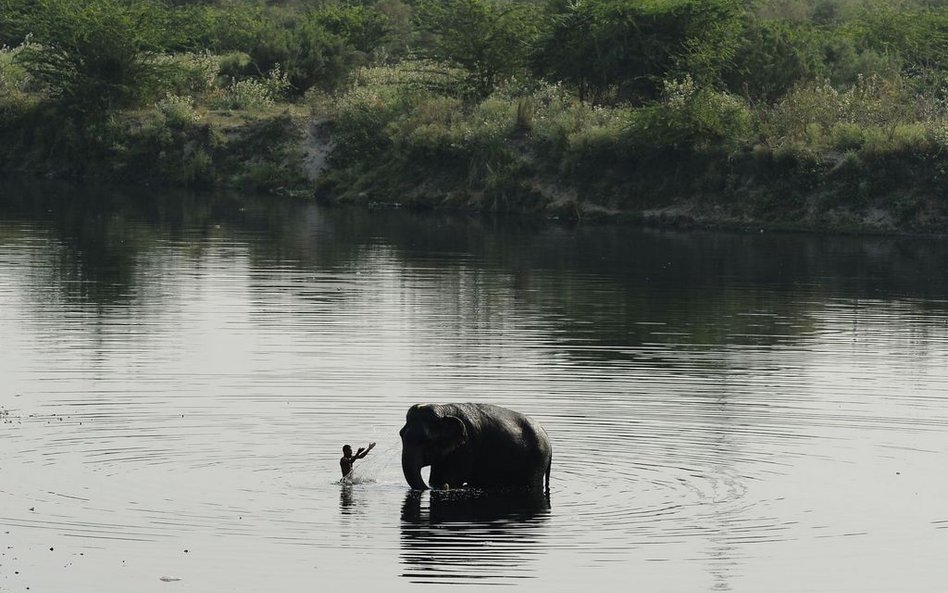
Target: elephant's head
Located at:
point(428, 436)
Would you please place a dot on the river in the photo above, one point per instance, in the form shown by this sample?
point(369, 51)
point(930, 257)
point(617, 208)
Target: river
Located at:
point(729, 411)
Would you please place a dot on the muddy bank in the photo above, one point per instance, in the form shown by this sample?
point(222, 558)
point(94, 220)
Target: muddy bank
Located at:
point(896, 193)
point(259, 151)
point(289, 152)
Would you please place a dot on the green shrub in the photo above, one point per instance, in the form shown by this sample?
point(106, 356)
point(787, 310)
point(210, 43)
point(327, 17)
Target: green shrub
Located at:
point(872, 102)
point(235, 64)
point(431, 141)
point(489, 39)
point(619, 50)
point(427, 131)
point(378, 97)
point(909, 135)
point(554, 116)
point(847, 65)
point(16, 84)
point(690, 119)
point(318, 46)
point(193, 74)
point(360, 121)
point(594, 146)
point(774, 56)
point(251, 93)
point(170, 149)
point(97, 55)
point(877, 139)
point(265, 155)
point(937, 134)
point(177, 111)
point(918, 36)
point(846, 136)
point(813, 134)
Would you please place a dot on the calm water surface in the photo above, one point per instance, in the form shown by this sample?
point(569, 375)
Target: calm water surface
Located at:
point(729, 412)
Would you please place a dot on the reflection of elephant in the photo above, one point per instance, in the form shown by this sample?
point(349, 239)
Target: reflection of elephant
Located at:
point(472, 536)
point(476, 445)
point(508, 508)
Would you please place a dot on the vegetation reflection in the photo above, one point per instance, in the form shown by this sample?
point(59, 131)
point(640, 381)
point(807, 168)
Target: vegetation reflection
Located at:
point(605, 290)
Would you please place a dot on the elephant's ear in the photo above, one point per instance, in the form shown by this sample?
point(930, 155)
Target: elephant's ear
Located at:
point(452, 432)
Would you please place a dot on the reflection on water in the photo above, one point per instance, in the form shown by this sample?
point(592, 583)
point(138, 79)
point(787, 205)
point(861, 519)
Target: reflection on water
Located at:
point(460, 536)
point(744, 412)
point(346, 501)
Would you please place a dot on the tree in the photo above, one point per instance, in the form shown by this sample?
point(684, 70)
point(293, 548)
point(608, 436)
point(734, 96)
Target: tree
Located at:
point(97, 55)
point(626, 48)
point(776, 55)
point(489, 39)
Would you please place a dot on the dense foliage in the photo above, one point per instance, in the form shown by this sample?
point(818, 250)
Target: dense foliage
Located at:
point(492, 97)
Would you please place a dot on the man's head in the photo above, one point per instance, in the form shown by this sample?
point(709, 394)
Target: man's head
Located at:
point(347, 450)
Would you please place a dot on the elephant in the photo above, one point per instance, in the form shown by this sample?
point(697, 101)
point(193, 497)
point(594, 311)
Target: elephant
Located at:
point(475, 445)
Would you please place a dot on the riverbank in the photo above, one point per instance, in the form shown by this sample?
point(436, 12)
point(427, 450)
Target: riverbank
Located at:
point(696, 158)
point(288, 151)
point(736, 117)
point(165, 146)
point(556, 158)
point(751, 188)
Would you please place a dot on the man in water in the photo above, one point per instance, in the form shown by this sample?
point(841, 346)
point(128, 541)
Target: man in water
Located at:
point(348, 458)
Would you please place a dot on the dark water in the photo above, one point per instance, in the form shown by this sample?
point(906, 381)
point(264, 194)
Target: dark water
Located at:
point(729, 412)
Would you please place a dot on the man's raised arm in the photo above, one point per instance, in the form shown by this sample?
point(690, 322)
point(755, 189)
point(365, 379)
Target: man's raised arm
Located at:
point(364, 451)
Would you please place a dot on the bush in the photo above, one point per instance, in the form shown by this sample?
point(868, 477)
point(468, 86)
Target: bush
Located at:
point(193, 74)
point(690, 119)
point(15, 82)
point(317, 47)
point(265, 155)
point(376, 98)
point(177, 111)
point(251, 93)
point(871, 102)
point(235, 64)
point(361, 117)
point(937, 134)
point(557, 116)
point(918, 36)
point(775, 55)
point(846, 136)
point(169, 149)
point(94, 56)
point(594, 146)
point(615, 50)
point(436, 110)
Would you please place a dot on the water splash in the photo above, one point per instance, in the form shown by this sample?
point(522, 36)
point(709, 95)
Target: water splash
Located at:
point(375, 464)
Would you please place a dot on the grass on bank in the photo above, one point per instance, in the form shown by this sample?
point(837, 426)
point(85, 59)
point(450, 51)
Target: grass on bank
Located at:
point(764, 108)
point(206, 129)
point(531, 144)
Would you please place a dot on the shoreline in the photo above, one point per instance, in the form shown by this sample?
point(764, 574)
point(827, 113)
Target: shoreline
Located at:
point(285, 152)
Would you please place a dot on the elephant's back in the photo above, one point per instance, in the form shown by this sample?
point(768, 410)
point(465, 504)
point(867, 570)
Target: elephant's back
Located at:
point(517, 445)
point(500, 422)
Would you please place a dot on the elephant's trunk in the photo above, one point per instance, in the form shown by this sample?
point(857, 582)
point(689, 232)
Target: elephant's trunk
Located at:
point(412, 462)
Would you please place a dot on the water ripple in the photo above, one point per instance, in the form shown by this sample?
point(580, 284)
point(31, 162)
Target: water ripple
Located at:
point(729, 430)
